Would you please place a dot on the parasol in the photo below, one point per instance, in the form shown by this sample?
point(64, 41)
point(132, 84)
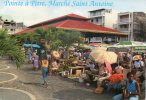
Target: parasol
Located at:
point(100, 56)
point(31, 45)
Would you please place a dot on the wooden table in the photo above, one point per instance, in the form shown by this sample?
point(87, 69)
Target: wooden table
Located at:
point(77, 67)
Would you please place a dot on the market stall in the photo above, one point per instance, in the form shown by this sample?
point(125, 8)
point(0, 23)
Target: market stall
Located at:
point(132, 47)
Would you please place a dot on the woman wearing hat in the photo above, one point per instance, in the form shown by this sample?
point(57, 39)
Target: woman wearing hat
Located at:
point(138, 64)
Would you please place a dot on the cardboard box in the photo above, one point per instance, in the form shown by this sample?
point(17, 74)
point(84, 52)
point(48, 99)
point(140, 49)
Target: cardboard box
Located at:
point(78, 72)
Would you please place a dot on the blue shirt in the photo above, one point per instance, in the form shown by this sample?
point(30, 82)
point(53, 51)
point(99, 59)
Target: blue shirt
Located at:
point(131, 87)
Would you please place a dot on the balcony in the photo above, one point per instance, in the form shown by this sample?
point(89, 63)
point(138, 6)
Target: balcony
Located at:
point(124, 30)
point(124, 20)
point(97, 14)
point(124, 23)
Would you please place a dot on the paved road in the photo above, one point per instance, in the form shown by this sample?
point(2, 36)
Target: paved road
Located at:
point(58, 88)
point(5, 77)
point(11, 94)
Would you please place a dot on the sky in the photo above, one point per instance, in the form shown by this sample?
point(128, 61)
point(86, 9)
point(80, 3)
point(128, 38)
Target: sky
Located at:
point(34, 11)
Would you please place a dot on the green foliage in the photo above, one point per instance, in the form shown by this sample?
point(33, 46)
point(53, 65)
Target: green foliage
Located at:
point(52, 37)
point(42, 33)
point(68, 38)
point(63, 68)
point(3, 34)
point(8, 47)
point(27, 37)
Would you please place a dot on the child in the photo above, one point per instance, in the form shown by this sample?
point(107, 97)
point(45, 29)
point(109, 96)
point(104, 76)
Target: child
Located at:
point(35, 61)
point(44, 65)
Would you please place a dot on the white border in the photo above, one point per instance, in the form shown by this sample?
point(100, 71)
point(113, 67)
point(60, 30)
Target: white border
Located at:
point(7, 67)
point(15, 77)
point(32, 97)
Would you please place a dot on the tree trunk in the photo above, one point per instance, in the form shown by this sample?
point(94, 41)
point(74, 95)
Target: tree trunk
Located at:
point(67, 51)
point(42, 41)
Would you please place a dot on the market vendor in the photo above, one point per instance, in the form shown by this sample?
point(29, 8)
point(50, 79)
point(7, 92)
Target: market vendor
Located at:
point(90, 65)
point(115, 80)
point(119, 69)
point(138, 63)
point(102, 75)
point(90, 72)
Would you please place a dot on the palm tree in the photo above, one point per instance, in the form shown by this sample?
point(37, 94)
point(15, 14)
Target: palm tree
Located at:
point(49, 37)
point(42, 34)
point(68, 38)
point(53, 37)
point(8, 47)
point(27, 37)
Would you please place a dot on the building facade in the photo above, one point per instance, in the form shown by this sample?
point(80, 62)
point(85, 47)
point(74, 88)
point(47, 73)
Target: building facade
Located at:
point(103, 17)
point(133, 23)
point(20, 26)
point(11, 26)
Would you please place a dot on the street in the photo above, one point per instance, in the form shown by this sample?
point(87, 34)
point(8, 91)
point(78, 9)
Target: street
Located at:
point(30, 83)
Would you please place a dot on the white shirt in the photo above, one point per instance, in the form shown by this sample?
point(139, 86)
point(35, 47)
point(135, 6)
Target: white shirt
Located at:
point(119, 67)
point(91, 66)
point(137, 64)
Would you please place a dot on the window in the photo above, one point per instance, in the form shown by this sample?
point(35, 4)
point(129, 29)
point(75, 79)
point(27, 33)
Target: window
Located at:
point(108, 11)
point(124, 26)
point(97, 20)
point(96, 39)
point(93, 13)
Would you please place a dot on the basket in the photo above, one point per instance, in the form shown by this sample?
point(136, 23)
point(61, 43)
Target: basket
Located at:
point(55, 55)
point(99, 90)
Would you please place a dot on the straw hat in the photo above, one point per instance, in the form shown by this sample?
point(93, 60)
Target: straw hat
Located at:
point(137, 57)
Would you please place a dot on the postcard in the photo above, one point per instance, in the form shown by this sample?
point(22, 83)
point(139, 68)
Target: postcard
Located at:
point(72, 49)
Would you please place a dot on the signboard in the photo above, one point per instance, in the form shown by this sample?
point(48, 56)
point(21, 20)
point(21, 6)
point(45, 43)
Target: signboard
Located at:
point(114, 49)
point(139, 49)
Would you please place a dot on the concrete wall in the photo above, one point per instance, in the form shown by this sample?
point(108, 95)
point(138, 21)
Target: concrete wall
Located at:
point(111, 19)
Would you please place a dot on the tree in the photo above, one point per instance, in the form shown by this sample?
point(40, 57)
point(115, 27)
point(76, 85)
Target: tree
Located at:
point(8, 47)
point(41, 32)
point(27, 38)
point(49, 37)
point(68, 38)
point(53, 37)
point(42, 36)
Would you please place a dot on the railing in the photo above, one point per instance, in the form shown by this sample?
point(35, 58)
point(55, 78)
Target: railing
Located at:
point(124, 29)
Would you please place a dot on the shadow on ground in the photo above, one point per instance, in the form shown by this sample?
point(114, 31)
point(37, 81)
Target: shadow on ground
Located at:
point(31, 83)
point(78, 94)
point(77, 84)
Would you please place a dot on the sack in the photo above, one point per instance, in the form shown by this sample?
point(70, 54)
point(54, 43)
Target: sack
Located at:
point(99, 90)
